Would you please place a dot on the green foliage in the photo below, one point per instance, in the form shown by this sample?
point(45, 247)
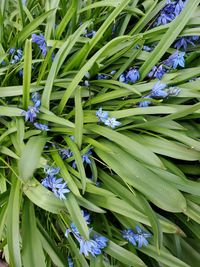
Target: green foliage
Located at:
point(144, 172)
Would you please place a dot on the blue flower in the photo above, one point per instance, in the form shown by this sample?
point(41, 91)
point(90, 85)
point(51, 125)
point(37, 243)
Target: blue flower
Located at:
point(122, 78)
point(157, 72)
point(102, 77)
point(164, 19)
point(132, 75)
point(141, 237)
point(41, 42)
point(147, 48)
point(184, 41)
point(65, 153)
point(129, 236)
point(144, 104)
point(102, 115)
point(12, 51)
point(16, 55)
point(112, 122)
point(176, 59)
point(36, 98)
point(59, 188)
point(31, 114)
point(70, 262)
point(41, 126)
point(89, 246)
point(90, 34)
point(51, 171)
point(101, 241)
point(157, 90)
point(85, 159)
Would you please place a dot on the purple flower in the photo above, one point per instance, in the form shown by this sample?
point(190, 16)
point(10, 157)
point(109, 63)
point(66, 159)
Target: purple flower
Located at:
point(122, 78)
point(102, 77)
point(41, 126)
point(164, 19)
point(90, 34)
point(51, 171)
point(85, 159)
point(157, 72)
point(176, 59)
point(17, 55)
point(41, 42)
point(112, 122)
point(157, 90)
point(70, 262)
point(129, 236)
point(59, 188)
point(102, 115)
point(144, 104)
point(65, 153)
point(101, 241)
point(141, 237)
point(12, 51)
point(132, 75)
point(184, 41)
point(36, 98)
point(31, 114)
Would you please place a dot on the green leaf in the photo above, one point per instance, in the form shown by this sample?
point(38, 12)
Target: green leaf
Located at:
point(27, 73)
point(123, 255)
point(13, 234)
point(32, 252)
point(134, 173)
point(30, 157)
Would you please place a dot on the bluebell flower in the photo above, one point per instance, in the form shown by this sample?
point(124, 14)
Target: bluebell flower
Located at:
point(36, 99)
point(3, 63)
point(132, 75)
point(12, 51)
point(176, 59)
point(41, 42)
point(122, 78)
point(89, 246)
point(147, 48)
point(144, 104)
point(51, 171)
point(129, 236)
point(157, 72)
point(157, 90)
point(102, 77)
point(164, 19)
point(102, 115)
point(86, 83)
point(16, 55)
point(112, 122)
point(31, 114)
point(90, 34)
point(41, 126)
point(100, 240)
point(65, 153)
point(183, 42)
point(59, 188)
point(85, 159)
point(70, 262)
point(179, 7)
point(141, 237)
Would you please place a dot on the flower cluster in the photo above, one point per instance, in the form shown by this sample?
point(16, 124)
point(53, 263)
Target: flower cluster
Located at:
point(17, 55)
point(56, 185)
point(92, 246)
point(170, 11)
point(31, 113)
point(137, 238)
point(41, 42)
point(103, 117)
point(157, 92)
point(132, 75)
point(183, 42)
